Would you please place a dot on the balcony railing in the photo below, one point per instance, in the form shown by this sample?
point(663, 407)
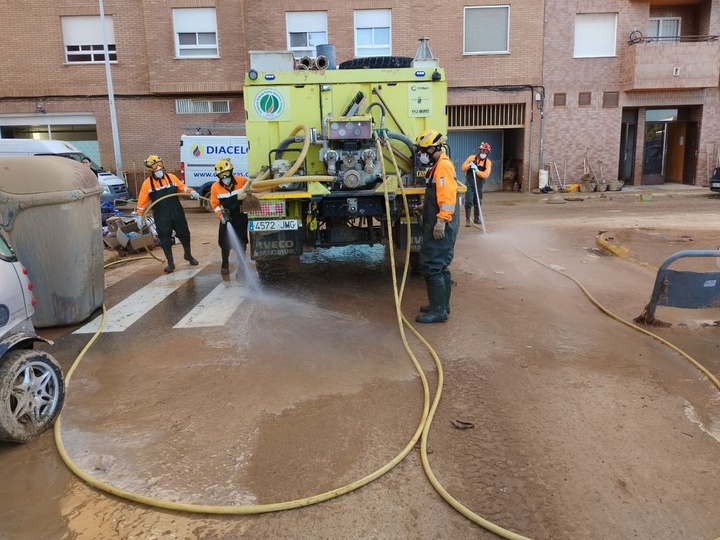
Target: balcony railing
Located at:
point(672, 62)
point(637, 37)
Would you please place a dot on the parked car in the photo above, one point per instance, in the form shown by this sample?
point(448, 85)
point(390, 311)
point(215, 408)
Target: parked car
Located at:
point(32, 387)
point(715, 180)
point(115, 190)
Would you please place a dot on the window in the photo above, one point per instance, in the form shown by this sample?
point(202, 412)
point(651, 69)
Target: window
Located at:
point(305, 31)
point(195, 33)
point(83, 39)
point(595, 35)
point(584, 99)
point(611, 100)
point(559, 100)
point(664, 28)
point(372, 32)
point(486, 30)
point(192, 106)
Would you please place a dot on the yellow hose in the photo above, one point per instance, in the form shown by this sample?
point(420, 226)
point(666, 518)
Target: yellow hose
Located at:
point(269, 184)
point(420, 433)
point(428, 412)
point(303, 152)
point(235, 510)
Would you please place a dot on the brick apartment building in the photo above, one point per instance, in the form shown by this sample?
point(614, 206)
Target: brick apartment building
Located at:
point(524, 75)
point(632, 86)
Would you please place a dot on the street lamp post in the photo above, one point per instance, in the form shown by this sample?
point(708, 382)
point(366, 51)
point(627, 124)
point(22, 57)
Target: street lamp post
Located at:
point(111, 97)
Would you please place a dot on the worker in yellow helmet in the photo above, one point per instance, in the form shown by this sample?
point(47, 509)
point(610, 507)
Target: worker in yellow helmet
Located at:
point(440, 224)
point(168, 213)
point(476, 168)
point(226, 197)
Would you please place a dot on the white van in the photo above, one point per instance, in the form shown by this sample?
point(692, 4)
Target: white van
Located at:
point(200, 153)
point(115, 189)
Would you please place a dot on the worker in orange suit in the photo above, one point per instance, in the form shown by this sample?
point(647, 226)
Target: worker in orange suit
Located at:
point(440, 223)
point(168, 213)
point(477, 168)
point(226, 198)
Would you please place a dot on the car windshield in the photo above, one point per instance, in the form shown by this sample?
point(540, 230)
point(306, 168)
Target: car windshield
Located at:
point(6, 252)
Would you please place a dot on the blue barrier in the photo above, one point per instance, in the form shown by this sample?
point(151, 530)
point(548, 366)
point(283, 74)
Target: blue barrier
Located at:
point(683, 289)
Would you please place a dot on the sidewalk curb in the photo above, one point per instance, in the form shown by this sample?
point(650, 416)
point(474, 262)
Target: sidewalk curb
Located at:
point(620, 251)
point(641, 193)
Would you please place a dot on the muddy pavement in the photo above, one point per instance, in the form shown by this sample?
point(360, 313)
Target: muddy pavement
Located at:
point(582, 427)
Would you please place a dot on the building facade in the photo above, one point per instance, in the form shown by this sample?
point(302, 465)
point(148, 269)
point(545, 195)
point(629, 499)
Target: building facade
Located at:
point(178, 66)
point(632, 89)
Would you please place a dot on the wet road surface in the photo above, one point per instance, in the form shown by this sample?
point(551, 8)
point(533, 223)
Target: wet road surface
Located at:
point(583, 428)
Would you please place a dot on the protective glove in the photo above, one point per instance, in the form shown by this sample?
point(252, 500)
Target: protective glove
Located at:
point(195, 195)
point(473, 166)
point(140, 220)
point(439, 229)
point(224, 217)
point(481, 168)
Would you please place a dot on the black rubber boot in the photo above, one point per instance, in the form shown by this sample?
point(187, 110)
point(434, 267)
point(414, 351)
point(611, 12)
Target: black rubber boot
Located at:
point(188, 256)
point(477, 218)
point(170, 263)
point(448, 290)
point(438, 301)
point(467, 218)
point(225, 265)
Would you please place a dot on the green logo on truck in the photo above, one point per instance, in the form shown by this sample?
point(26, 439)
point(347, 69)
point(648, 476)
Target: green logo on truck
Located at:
point(269, 104)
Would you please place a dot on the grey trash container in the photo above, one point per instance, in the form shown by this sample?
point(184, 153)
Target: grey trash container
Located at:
point(50, 213)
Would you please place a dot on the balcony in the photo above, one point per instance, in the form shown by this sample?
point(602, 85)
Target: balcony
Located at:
point(677, 63)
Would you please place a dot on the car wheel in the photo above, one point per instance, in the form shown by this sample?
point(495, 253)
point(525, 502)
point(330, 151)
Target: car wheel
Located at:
point(32, 392)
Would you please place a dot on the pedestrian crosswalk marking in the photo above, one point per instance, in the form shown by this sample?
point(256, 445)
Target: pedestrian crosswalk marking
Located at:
point(130, 310)
point(216, 308)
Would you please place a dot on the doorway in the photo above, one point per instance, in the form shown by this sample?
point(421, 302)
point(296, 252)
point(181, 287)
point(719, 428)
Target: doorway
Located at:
point(465, 143)
point(628, 138)
point(670, 147)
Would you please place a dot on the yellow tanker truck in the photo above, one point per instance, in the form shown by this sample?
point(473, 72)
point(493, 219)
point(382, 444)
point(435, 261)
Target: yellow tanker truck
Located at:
point(328, 143)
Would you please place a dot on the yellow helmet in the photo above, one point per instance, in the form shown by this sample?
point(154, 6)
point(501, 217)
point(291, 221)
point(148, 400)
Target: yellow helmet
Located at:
point(223, 168)
point(430, 137)
point(153, 162)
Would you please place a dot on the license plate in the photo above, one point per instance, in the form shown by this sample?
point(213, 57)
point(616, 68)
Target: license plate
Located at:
point(259, 225)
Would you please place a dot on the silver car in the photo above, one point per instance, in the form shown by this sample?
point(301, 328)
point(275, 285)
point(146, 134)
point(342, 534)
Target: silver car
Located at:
point(32, 387)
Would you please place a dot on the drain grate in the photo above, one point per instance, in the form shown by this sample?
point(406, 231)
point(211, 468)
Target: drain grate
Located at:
point(599, 252)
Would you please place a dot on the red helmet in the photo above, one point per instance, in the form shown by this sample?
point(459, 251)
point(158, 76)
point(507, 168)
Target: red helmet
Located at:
point(484, 148)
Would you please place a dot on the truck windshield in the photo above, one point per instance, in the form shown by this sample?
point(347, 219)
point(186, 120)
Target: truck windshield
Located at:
point(79, 156)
